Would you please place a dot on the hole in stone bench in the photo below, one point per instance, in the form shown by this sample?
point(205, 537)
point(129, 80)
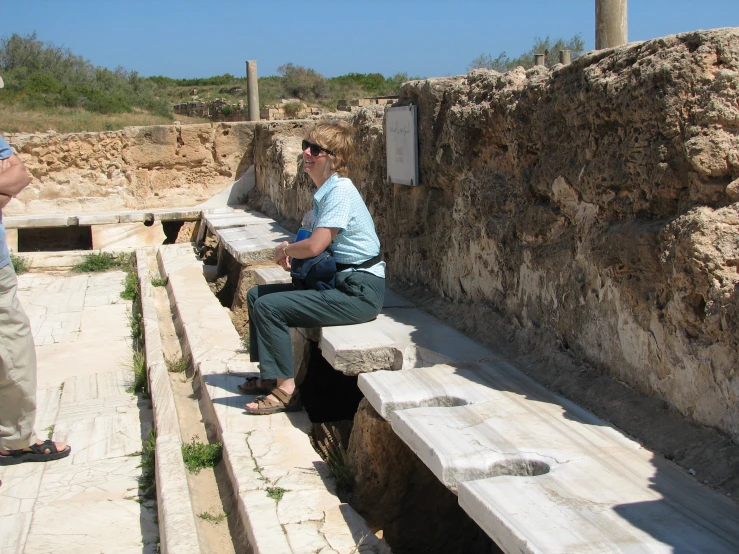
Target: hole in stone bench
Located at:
point(54, 239)
point(519, 467)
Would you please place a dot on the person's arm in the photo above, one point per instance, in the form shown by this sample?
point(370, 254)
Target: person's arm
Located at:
point(312, 246)
point(13, 177)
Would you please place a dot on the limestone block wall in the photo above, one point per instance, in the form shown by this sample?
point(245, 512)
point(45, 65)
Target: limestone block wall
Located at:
point(594, 204)
point(138, 167)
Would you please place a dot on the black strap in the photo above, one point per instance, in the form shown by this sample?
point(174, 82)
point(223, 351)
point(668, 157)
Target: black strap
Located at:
point(369, 263)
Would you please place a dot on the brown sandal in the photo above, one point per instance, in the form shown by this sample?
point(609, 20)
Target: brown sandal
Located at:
point(284, 403)
point(265, 386)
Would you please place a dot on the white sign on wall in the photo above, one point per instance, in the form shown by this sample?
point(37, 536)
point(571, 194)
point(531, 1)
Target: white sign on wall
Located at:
point(401, 142)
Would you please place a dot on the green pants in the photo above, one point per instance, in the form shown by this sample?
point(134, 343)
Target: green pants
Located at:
point(273, 309)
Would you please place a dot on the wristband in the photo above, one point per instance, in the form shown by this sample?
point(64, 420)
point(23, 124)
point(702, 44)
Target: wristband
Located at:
point(284, 249)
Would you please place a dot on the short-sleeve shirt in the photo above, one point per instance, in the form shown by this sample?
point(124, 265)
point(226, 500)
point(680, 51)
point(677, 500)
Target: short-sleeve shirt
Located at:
point(5, 152)
point(338, 204)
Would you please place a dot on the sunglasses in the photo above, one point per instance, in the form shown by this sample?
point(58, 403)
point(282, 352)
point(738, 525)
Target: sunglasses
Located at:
point(315, 150)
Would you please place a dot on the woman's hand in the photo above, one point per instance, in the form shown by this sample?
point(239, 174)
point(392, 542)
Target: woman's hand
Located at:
point(280, 257)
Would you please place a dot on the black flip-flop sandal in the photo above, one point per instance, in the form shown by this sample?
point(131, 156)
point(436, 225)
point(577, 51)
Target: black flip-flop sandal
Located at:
point(37, 453)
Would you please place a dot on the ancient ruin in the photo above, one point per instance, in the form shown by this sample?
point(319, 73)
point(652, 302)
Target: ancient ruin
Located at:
point(556, 366)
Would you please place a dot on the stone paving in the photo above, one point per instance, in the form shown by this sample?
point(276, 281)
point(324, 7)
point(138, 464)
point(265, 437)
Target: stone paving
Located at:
point(89, 501)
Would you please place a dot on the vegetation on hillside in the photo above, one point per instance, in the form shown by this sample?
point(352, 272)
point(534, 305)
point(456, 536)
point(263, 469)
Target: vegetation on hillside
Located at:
point(545, 46)
point(49, 87)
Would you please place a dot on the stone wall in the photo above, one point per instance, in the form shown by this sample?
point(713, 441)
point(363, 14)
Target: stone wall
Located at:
point(591, 208)
point(138, 167)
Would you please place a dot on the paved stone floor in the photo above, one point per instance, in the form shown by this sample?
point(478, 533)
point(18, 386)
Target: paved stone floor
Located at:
point(88, 502)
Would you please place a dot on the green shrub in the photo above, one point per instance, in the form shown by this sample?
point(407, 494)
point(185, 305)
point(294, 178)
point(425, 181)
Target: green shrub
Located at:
point(197, 455)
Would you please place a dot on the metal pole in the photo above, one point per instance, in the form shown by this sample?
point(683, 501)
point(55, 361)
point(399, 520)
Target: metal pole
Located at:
point(540, 59)
point(252, 89)
point(611, 23)
point(565, 56)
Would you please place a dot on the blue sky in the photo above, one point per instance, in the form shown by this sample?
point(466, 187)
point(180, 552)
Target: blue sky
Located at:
point(426, 38)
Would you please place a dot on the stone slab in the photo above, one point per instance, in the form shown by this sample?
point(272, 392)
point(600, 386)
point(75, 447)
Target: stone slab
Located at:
point(400, 338)
point(75, 527)
point(540, 474)
point(126, 235)
point(271, 275)
point(33, 221)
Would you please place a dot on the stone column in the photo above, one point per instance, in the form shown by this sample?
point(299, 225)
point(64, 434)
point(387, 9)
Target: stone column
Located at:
point(611, 25)
point(540, 59)
point(565, 56)
point(252, 89)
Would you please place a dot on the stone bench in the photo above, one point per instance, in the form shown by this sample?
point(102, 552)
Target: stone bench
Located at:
point(538, 473)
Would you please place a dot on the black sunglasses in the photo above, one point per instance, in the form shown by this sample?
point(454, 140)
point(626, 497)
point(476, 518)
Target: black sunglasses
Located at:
point(315, 149)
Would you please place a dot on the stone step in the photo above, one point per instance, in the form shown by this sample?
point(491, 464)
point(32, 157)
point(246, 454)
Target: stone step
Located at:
point(286, 498)
point(540, 474)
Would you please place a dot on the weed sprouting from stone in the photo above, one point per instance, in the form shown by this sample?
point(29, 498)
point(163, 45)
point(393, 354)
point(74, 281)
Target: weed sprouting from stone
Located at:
point(140, 380)
point(131, 287)
point(147, 481)
point(99, 261)
point(334, 453)
point(276, 493)
point(197, 455)
point(207, 516)
point(20, 264)
point(178, 365)
point(159, 281)
point(50, 431)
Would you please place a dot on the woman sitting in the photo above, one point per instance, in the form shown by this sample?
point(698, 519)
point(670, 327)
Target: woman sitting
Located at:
point(343, 226)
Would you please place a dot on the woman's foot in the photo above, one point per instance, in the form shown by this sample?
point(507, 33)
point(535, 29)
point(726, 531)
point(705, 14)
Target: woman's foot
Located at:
point(42, 451)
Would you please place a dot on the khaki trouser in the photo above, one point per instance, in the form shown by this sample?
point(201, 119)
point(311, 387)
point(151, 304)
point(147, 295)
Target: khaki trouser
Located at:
point(17, 368)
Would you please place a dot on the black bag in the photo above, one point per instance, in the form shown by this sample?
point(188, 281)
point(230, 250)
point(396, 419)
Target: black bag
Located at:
point(317, 273)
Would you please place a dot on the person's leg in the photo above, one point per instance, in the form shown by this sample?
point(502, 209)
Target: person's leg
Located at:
point(357, 299)
point(251, 297)
point(17, 368)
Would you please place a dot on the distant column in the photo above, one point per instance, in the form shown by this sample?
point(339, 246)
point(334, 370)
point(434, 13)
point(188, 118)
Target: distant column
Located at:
point(540, 59)
point(611, 25)
point(565, 56)
point(252, 89)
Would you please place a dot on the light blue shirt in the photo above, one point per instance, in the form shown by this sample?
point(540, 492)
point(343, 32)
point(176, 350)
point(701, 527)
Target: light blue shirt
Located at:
point(338, 204)
point(5, 152)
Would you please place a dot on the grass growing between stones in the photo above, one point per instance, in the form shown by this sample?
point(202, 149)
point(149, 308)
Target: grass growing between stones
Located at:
point(147, 481)
point(276, 493)
point(334, 453)
point(178, 365)
point(99, 261)
point(20, 264)
point(131, 287)
point(159, 281)
point(198, 455)
point(140, 379)
point(207, 516)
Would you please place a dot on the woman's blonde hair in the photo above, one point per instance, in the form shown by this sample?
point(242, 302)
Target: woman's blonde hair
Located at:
point(337, 136)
